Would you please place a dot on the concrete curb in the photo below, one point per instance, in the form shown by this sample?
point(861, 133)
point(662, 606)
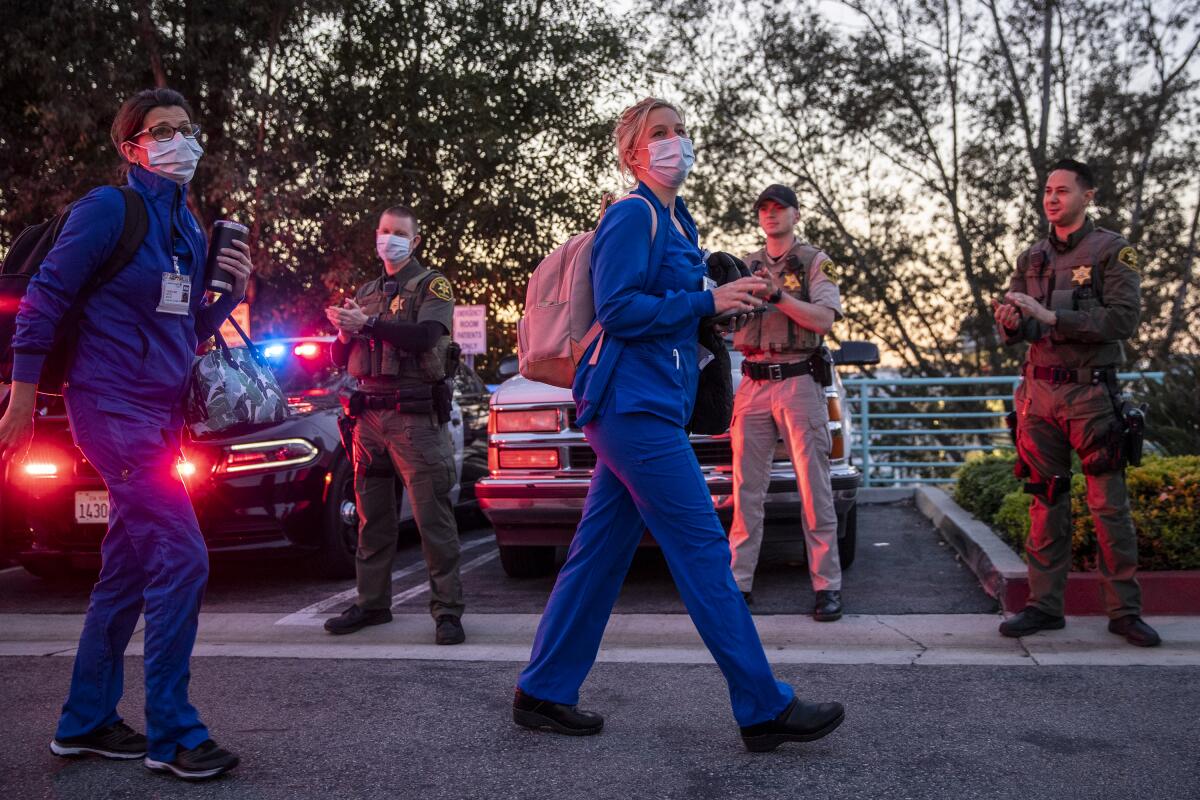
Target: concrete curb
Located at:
point(1000, 571)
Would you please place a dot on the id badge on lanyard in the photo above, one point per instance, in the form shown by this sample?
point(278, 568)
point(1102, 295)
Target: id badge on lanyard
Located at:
point(176, 292)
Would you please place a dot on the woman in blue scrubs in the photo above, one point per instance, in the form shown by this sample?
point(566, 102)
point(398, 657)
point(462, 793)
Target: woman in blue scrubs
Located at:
point(125, 387)
point(633, 401)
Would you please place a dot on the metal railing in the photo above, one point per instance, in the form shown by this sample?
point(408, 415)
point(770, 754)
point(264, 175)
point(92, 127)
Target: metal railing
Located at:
point(919, 430)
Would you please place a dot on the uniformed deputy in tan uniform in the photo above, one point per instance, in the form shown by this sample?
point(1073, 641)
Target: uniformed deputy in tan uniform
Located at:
point(393, 337)
point(780, 394)
point(1074, 297)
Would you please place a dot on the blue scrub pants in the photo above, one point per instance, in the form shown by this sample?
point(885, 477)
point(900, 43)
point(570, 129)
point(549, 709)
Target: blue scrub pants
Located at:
point(647, 476)
point(154, 556)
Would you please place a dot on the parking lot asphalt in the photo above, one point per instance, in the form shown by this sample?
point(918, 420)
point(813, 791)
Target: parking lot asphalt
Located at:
point(429, 730)
point(902, 567)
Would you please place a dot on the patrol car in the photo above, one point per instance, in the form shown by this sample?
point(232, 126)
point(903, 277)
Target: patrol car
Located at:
point(283, 489)
point(540, 465)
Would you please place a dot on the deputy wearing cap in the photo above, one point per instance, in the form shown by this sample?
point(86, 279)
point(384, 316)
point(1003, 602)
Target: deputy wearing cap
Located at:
point(394, 337)
point(782, 394)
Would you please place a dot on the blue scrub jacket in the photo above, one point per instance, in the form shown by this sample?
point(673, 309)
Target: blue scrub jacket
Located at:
point(130, 357)
point(636, 313)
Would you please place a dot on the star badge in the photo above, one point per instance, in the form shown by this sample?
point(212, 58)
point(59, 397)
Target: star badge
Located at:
point(791, 282)
point(1081, 276)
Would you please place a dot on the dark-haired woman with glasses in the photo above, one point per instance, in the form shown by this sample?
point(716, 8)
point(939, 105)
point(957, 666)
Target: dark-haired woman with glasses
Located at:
point(137, 336)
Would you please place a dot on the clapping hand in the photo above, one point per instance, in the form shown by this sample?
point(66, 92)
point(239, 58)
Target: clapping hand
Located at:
point(349, 319)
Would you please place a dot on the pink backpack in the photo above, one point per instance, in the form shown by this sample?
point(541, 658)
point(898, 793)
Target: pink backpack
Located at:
point(560, 324)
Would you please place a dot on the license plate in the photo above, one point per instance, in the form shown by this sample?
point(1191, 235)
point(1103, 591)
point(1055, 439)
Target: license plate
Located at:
point(91, 508)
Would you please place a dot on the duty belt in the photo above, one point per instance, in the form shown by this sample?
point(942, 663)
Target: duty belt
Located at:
point(411, 401)
point(1087, 376)
point(757, 371)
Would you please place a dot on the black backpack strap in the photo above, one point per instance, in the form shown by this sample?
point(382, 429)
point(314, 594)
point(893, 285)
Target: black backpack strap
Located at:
point(133, 233)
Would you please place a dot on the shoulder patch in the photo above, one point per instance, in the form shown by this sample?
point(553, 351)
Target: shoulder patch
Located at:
point(1128, 257)
point(439, 287)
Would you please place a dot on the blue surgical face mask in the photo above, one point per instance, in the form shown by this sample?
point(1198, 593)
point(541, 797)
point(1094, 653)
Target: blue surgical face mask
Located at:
point(671, 160)
point(174, 160)
point(392, 248)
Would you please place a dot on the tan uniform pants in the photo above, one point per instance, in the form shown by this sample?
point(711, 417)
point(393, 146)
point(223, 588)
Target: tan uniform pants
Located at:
point(418, 449)
point(762, 411)
point(1053, 421)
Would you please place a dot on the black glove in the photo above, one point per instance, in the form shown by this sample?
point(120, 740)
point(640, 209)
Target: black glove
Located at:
point(725, 268)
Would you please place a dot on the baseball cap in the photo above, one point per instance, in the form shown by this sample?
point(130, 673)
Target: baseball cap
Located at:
point(780, 194)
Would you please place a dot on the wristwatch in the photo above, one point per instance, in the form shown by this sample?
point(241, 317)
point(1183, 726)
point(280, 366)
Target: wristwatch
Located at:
point(369, 326)
point(776, 296)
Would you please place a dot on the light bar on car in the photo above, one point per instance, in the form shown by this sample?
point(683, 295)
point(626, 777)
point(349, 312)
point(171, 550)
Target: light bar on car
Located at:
point(539, 420)
point(274, 454)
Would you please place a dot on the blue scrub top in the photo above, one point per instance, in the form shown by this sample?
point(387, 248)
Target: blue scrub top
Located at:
point(131, 357)
point(649, 297)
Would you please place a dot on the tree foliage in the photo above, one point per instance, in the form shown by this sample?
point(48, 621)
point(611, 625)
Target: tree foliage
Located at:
point(919, 134)
point(488, 117)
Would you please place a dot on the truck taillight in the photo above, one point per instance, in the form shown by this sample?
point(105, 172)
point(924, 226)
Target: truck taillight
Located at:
point(528, 459)
point(539, 420)
point(40, 469)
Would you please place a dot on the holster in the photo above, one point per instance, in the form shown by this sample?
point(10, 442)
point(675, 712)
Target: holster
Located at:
point(1134, 418)
point(453, 356)
point(822, 366)
point(346, 432)
point(442, 394)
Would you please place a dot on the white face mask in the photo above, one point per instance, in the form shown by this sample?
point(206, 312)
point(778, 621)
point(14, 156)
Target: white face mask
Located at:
point(175, 160)
point(392, 248)
point(671, 160)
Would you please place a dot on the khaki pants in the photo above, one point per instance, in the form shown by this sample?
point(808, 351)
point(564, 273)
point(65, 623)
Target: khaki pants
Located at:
point(417, 448)
point(762, 411)
point(1053, 421)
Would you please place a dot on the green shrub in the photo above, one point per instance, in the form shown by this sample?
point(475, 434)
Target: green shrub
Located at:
point(983, 483)
point(1165, 497)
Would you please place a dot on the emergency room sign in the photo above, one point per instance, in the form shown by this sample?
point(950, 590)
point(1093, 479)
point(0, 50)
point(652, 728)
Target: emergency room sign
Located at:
point(470, 329)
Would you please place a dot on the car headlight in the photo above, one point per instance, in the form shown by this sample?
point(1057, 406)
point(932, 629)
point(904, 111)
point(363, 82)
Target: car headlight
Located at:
point(274, 454)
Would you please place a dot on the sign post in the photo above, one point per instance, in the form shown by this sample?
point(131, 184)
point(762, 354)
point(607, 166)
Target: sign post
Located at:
point(470, 331)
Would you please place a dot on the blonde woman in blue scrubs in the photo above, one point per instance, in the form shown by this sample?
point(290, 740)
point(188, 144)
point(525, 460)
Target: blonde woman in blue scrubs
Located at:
point(633, 404)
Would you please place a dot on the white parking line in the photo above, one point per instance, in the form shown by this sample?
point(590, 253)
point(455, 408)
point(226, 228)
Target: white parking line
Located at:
point(409, 594)
point(310, 615)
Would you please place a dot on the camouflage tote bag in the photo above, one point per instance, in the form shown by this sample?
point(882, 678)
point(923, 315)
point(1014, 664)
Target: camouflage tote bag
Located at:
point(232, 388)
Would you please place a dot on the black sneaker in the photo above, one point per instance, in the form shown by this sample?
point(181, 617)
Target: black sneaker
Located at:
point(112, 741)
point(449, 630)
point(355, 619)
point(202, 762)
point(1030, 620)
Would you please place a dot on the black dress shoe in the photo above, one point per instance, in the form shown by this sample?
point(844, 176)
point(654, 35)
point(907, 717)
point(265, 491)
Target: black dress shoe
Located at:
point(828, 606)
point(449, 630)
point(112, 741)
point(800, 722)
point(1031, 620)
point(542, 715)
point(355, 619)
point(1135, 630)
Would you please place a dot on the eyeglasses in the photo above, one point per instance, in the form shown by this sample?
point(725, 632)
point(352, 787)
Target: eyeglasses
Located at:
point(165, 132)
